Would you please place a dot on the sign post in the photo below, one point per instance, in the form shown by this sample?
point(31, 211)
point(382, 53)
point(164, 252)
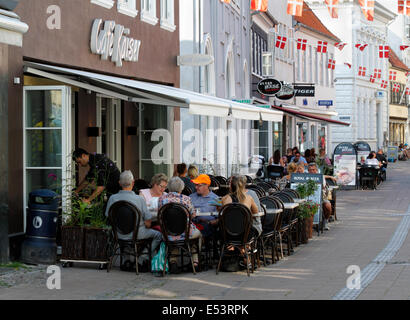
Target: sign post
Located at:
point(344, 163)
point(299, 178)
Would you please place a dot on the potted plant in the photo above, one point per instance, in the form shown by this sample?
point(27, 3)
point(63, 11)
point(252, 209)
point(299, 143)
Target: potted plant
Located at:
point(308, 209)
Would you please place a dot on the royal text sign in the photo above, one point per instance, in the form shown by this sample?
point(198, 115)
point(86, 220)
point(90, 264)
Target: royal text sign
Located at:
point(110, 40)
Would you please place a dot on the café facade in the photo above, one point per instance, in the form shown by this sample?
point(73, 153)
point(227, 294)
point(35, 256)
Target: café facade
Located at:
point(101, 75)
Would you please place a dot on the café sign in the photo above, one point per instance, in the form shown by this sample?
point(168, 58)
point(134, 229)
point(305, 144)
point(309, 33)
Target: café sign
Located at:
point(110, 40)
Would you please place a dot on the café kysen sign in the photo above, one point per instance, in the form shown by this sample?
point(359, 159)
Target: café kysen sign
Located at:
point(110, 40)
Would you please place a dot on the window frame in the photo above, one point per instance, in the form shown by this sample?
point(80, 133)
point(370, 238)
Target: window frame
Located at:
point(168, 18)
point(128, 8)
point(108, 4)
point(150, 15)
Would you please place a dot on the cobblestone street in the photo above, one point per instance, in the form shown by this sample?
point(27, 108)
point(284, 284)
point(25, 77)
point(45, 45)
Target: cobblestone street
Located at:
point(369, 223)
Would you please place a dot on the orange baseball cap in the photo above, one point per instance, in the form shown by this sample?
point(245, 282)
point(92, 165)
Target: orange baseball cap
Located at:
point(202, 178)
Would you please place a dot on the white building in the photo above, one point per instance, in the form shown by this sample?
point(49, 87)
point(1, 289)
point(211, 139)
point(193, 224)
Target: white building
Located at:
point(358, 101)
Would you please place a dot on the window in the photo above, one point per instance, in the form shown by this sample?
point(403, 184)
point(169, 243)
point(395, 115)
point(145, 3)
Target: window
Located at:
point(127, 7)
point(104, 3)
point(167, 15)
point(149, 11)
point(258, 46)
point(261, 139)
point(209, 70)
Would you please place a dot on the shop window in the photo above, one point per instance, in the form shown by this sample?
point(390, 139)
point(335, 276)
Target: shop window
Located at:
point(128, 7)
point(149, 11)
point(167, 15)
point(104, 3)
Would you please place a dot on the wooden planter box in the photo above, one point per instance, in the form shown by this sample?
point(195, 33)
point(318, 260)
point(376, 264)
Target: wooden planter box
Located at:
point(96, 242)
point(72, 243)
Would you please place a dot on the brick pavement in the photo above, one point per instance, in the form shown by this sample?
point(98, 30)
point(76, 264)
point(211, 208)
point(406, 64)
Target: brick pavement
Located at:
point(317, 270)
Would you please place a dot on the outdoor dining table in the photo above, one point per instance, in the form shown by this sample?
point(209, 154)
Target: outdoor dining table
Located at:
point(290, 205)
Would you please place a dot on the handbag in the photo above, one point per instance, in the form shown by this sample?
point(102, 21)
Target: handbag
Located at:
point(158, 261)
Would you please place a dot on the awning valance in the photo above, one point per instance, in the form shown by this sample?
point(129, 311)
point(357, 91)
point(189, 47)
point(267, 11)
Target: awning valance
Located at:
point(309, 116)
point(145, 92)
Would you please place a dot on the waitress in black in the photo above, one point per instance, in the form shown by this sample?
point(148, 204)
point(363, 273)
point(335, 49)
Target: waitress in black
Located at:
point(103, 172)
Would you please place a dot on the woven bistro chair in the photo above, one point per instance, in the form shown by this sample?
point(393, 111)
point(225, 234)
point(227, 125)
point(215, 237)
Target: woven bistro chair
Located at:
point(174, 219)
point(125, 219)
point(235, 222)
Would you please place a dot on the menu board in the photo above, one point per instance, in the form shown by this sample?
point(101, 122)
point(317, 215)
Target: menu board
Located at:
point(392, 153)
point(298, 178)
point(344, 164)
point(363, 149)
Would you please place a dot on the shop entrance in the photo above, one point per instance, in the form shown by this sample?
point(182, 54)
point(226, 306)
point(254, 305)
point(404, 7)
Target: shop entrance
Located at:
point(109, 120)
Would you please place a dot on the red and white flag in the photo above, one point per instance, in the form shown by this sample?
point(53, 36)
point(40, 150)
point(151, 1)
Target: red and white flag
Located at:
point(392, 75)
point(372, 78)
point(367, 8)
point(396, 87)
point(259, 5)
point(360, 46)
point(301, 44)
point(340, 45)
point(403, 47)
point(407, 91)
point(407, 74)
point(383, 84)
point(377, 73)
point(331, 64)
point(349, 65)
point(226, 1)
point(322, 46)
point(280, 42)
point(332, 7)
point(362, 71)
point(403, 7)
point(295, 7)
point(384, 51)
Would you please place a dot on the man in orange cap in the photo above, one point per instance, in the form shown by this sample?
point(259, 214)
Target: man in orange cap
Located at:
point(204, 200)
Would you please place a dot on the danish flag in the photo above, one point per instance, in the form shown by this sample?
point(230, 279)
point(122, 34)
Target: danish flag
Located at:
point(301, 44)
point(396, 87)
point(384, 51)
point(367, 8)
point(259, 5)
point(332, 7)
point(372, 78)
point(349, 65)
point(361, 47)
point(407, 91)
point(392, 75)
point(322, 46)
point(362, 71)
point(403, 4)
point(403, 47)
point(281, 42)
point(295, 7)
point(226, 1)
point(407, 74)
point(340, 45)
point(331, 64)
point(377, 73)
point(383, 84)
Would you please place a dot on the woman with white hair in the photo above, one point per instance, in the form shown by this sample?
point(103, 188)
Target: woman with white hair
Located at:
point(175, 187)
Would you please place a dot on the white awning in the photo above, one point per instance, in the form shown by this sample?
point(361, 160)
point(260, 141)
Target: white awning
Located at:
point(145, 92)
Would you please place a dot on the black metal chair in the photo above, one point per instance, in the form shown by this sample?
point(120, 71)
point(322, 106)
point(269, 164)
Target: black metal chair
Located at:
point(368, 177)
point(294, 220)
point(175, 219)
point(330, 182)
point(269, 235)
point(235, 222)
point(259, 191)
point(275, 172)
point(187, 190)
point(223, 186)
point(140, 184)
point(287, 220)
point(125, 219)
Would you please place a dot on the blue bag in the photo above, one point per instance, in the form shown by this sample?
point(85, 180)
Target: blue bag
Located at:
point(158, 261)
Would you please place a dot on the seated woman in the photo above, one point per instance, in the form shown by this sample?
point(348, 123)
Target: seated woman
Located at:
point(238, 195)
point(175, 187)
point(276, 160)
point(193, 172)
point(285, 180)
point(323, 159)
point(300, 168)
point(158, 186)
point(182, 171)
point(372, 160)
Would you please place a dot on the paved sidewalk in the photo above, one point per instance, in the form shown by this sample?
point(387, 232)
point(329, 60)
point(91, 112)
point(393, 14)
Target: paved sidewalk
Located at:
point(317, 270)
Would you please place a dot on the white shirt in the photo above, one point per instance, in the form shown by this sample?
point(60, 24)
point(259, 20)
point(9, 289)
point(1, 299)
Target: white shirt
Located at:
point(372, 162)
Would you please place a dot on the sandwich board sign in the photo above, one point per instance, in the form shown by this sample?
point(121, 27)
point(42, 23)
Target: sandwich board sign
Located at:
point(301, 178)
point(392, 153)
point(344, 165)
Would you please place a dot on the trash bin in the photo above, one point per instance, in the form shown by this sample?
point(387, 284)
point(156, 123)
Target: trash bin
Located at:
point(40, 246)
